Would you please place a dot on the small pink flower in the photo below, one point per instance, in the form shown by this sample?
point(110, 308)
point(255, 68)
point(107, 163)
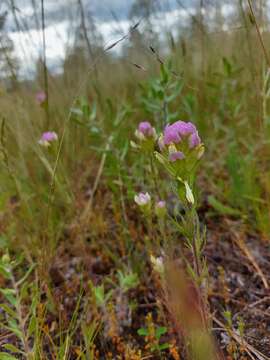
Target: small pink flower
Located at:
point(145, 130)
point(177, 155)
point(161, 204)
point(47, 138)
point(142, 199)
point(160, 208)
point(40, 97)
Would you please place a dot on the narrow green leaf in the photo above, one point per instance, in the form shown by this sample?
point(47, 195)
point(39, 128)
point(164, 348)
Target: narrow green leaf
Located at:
point(142, 332)
point(4, 272)
point(164, 346)
point(32, 325)
point(15, 331)
point(8, 293)
point(8, 310)
point(5, 356)
point(223, 209)
point(12, 348)
point(26, 275)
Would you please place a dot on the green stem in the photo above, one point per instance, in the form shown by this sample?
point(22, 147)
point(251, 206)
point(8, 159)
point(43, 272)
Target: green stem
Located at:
point(193, 224)
point(21, 321)
point(154, 176)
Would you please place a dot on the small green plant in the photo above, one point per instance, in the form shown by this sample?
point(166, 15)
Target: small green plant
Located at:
point(158, 95)
point(179, 151)
point(128, 280)
point(22, 325)
point(152, 335)
point(89, 332)
point(99, 295)
point(235, 348)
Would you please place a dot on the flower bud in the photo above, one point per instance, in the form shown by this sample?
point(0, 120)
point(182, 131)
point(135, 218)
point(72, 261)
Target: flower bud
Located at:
point(146, 129)
point(5, 259)
point(139, 135)
point(189, 194)
point(157, 263)
point(144, 202)
point(161, 142)
point(200, 151)
point(160, 209)
point(146, 134)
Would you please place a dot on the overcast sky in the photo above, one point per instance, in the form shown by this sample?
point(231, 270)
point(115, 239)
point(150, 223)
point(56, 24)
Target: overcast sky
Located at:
point(102, 10)
point(61, 16)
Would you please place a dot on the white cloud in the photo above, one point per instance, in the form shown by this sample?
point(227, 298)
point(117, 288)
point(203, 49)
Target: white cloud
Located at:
point(59, 34)
point(28, 47)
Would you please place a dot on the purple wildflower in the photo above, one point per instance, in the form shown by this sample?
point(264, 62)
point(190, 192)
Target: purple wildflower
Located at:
point(178, 130)
point(40, 97)
point(48, 137)
point(177, 155)
point(145, 128)
point(145, 131)
point(161, 204)
point(160, 208)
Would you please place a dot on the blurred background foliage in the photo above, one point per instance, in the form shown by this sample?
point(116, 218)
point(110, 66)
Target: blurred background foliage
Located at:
point(212, 70)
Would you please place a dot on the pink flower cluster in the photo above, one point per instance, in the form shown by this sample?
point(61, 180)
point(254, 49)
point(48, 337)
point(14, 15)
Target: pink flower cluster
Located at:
point(175, 135)
point(180, 130)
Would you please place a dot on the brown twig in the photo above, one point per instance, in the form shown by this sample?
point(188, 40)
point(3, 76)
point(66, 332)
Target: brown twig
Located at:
point(259, 33)
point(250, 350)
point(89, 204)
point(242, 246)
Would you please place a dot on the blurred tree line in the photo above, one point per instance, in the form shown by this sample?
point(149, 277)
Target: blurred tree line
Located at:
point(8, 62)
point(205, 19)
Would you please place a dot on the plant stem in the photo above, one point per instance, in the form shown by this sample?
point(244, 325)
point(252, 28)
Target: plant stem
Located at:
point(154, 175)
point(45, 70)
point(20, 317)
